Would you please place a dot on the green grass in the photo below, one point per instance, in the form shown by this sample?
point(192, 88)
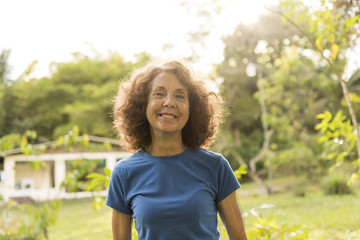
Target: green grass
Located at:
point(79, 220)
point(325, 217)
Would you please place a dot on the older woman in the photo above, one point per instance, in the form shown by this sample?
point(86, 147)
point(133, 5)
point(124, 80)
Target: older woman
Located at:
point(172, 186)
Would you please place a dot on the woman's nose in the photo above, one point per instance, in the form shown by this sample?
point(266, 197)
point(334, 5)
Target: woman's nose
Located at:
point(169, 102)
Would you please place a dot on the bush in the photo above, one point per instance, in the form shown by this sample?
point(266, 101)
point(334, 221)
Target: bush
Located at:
point(300, 189)
point(28, 222)
point(336, 185)
point(266, 229)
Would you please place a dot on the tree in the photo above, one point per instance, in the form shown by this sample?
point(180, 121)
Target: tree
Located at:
point(329, 28)
point(243, 61)
point(78, 93)
point(4, 67)
point(294, 99)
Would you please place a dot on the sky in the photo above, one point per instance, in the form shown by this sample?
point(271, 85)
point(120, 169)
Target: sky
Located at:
point(51, 30)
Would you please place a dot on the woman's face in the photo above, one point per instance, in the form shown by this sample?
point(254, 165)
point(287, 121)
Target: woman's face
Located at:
point(168, 104)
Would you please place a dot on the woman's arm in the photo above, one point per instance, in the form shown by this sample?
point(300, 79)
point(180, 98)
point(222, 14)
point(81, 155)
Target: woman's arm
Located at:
point(231, 216)
point(121, 225)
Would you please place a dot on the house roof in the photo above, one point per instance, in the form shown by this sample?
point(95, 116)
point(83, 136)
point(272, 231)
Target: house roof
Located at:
point(55, 144)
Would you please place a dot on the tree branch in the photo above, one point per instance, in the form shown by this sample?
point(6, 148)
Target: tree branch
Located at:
point(264, 148)
point(338, 74)
point(238, 158)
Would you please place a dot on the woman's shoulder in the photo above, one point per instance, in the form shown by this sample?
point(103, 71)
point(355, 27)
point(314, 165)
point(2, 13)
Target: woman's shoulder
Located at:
point(129, 162)
point(209, 155)
point(207, 152)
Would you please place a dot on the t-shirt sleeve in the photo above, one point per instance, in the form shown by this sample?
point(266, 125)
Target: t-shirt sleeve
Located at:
point(116, 197)
point(227, 182)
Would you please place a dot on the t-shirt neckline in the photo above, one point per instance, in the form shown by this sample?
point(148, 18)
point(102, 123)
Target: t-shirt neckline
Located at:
point(164, 158)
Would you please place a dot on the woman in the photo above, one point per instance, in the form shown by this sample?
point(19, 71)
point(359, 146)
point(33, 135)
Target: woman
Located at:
point(171, 185)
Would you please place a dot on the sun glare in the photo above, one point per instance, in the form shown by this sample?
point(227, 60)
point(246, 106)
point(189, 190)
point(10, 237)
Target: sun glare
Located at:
point(50, 31)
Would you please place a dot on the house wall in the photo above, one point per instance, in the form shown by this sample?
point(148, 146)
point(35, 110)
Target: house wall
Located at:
point(42, 177)
point(47, 181)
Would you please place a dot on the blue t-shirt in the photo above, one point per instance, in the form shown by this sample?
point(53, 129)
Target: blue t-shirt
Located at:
point(172, 197)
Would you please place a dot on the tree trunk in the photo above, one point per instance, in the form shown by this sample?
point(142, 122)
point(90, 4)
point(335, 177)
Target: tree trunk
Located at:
point(253, 173)
point(261, 182)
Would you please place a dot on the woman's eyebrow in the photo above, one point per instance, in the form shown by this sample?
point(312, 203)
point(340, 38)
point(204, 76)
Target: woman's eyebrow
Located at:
point(180, 90)
point(160, 87)
point(176, 90)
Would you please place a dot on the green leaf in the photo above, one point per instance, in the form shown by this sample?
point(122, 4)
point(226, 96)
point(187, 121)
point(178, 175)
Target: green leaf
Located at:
point(318, 41)
point(107, 172)
point(93, 185)
point(331, 155)
point(323, 139)
point(240, 171)
point(341, 157)
point(320, 116)
point(355, 98)
point(353, 178)
point(96, 176)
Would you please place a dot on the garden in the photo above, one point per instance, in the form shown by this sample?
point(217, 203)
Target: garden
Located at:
point(291, 88)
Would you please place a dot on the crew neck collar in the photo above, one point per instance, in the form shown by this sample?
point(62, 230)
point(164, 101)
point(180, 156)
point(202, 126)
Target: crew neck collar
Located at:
point(170, 157)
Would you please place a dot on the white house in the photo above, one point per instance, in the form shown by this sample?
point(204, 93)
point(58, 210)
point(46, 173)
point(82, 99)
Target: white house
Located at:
point(18, 179)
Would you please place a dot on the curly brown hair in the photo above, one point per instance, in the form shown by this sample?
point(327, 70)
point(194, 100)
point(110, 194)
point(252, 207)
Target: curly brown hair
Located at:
point(130, 104)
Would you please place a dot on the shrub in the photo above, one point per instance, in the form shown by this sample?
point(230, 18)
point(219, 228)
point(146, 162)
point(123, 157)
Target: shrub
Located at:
point(299, 189)
point(28, 222)
point(266, 229)
point(336, 185)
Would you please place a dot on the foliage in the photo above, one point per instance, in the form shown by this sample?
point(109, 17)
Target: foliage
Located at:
point(78, 89)
point(249, 56)
point(99, 182)
point(330, 28)
point(239, 70)
point(240, 171)
point(4, 68)
point(336, 185)
point(339, 139)
point(28, 221)
point(75, 179)
point(71, 139)
point(331, 23)
point(267, 229)
point(294, 99)
point(300, 189)
point(15, 140)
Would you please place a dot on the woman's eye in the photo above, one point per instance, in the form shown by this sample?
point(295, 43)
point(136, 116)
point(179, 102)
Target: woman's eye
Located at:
point(160, 94)
point(180, 96)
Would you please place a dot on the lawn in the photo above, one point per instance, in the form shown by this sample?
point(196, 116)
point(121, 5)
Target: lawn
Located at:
point(324, 217)
point(79, 220)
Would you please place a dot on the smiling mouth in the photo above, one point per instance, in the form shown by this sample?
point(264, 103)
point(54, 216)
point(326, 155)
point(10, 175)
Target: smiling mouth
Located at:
point(169, 116)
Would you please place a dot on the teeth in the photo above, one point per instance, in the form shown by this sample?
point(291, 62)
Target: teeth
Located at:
point(167, 116)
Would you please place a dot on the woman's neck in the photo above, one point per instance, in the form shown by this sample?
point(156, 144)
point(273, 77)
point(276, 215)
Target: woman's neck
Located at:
point(166, 146)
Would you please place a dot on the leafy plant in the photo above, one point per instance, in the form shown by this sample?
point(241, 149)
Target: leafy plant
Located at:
point(240, 171)
point(99, 181)
point(75, 179)
point(300, 189)
point(331, 28)
point(266, 229)
point(336, 185)
point(28, 221)
point(339, 138)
